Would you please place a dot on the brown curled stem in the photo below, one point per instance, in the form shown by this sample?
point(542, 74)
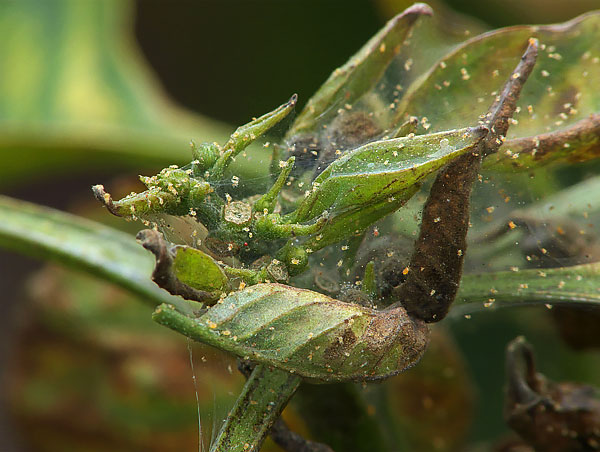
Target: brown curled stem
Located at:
point(435, 267)
point(163, 274)
point(522, 383)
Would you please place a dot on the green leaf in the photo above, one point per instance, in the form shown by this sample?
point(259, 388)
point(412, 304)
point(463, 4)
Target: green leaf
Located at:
point(353, 222)
point(306, 332)
point(198, 270)
point(350, 81)
point(383, 169)
point(81, 244)
point(576, 285)
point(560, 93)
point(75, 92)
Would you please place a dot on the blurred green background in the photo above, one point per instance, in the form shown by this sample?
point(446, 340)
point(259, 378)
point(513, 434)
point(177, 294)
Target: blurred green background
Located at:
point(100, 91)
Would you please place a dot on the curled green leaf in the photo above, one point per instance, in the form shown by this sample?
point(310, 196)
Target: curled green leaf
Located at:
point(306, 333)
point(198, 270)
point(384, 169)
point(184, 271)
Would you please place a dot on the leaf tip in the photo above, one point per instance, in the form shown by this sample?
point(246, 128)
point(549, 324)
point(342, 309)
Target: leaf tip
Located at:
point(293, 100)
point(418, 9)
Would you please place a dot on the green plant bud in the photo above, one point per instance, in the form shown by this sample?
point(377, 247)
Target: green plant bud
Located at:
point(296, 259)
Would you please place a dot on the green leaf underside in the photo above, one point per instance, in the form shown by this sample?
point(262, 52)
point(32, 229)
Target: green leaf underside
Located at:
point(81, 244)
point(198, 270)
point(352, 222)
point(576, 285)
point(561, 91)
point(305, 332)
point(384, 169)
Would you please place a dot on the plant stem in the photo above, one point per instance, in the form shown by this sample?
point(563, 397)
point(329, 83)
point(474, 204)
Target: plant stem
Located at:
point(262, 400)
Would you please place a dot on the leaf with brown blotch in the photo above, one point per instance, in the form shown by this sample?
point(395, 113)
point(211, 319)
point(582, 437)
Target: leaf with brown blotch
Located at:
point(307, 333)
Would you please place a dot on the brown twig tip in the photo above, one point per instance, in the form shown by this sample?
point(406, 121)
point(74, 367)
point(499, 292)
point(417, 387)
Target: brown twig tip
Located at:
point(152, 240)
point(503, 109)
point(105, 198)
